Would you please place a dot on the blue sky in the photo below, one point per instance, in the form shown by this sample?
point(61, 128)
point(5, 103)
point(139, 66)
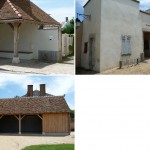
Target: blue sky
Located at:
point(59, 9)
point(16, 85)
point(144, 5)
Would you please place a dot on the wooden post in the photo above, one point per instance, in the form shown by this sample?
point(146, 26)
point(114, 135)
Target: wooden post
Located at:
point(16, 38)
point(19, 124)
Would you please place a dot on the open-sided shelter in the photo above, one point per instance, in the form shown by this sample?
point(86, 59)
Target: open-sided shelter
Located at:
point(42, 114)
point(22, 35)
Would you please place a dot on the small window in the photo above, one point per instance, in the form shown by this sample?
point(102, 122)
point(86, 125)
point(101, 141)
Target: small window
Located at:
point(126, 45)
point(85, 47)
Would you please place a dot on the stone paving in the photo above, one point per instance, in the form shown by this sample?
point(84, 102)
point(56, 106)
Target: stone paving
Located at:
point(36, 67)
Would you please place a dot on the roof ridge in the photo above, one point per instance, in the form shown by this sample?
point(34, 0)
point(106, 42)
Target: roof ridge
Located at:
point(30, 97)
point(14, 9)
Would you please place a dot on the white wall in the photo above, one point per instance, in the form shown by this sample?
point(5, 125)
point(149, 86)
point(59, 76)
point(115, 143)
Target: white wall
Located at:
point(91, 26)
point(145, 21)
point(65, 44)
point(119, 17)
point(110, 19)
point(30, 39)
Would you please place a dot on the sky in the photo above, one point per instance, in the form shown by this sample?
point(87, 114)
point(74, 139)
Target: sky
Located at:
point(59, 9)
point(144, 5)
point(12, 85)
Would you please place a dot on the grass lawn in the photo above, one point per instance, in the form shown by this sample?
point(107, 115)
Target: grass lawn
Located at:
point(51, 147)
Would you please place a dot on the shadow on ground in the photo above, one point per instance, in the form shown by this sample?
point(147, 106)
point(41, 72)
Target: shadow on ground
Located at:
point(25, 63)
point(81, 71)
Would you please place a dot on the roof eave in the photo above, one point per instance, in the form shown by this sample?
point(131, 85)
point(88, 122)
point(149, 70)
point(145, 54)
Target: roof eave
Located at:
point(25, 20)
point(90, 0)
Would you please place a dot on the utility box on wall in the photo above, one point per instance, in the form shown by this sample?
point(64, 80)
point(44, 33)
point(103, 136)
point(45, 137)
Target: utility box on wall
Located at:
point(48, 56)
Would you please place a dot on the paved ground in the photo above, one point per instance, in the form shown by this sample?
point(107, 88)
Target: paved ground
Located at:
point(36, 67)
point(19, 142)
point(140, 69)
point(81, 71)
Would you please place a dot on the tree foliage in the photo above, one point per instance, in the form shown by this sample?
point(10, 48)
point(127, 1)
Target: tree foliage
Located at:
point(69, 29)
point(72, 114)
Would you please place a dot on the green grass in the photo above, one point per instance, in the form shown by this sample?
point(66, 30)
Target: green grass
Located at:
point(51, 147)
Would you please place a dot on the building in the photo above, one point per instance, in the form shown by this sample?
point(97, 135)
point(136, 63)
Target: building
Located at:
point(22, 32)
point(79, 33)
point(47, 115)
point(114, 32)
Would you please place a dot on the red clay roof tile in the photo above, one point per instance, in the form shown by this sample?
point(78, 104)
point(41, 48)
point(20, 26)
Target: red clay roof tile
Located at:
point(33, 105)
point(25, 10)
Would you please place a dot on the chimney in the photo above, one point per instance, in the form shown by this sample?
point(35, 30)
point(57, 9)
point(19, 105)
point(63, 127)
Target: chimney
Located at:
point(66, 19)
point(42, 90)
point(30, 90)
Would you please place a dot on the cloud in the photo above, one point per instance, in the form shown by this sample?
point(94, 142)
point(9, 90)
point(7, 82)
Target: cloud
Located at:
point(81, 2)
point(61, 86)
point(61, 13)
point(57, 11)
point(55, 85)
point(144, 4)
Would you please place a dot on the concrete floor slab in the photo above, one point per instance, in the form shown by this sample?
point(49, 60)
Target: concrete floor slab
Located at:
point(36, 67)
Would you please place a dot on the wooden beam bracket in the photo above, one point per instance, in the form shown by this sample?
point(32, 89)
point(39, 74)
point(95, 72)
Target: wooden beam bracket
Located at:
point(1, 116)
point(40, 117)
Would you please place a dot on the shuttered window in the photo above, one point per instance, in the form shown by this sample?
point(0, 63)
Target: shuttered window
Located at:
point(126, 45)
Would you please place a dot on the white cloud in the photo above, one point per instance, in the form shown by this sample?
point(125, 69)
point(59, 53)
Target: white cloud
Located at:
point(58, 86)
point(21, 80)
point(61, 13)
point(58, 13)
point(61, 86)
point(81, 2)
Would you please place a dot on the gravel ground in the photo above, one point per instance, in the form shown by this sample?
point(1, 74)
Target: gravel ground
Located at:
point(20, 142)
point(140, 69)
point(36, 67)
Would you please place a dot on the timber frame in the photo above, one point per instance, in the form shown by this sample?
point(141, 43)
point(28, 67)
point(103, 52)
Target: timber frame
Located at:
point(20, 118)
point(15, 13)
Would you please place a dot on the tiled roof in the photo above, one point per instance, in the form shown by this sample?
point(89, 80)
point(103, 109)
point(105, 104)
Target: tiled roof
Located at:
point(33, 105)
point(24, 10)
point(37, 93)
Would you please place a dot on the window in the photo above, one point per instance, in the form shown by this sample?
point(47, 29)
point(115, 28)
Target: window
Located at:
point(126, 45)
point(85, 47)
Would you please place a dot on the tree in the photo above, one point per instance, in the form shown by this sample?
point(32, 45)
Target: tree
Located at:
point(69, 28)
point(72, 114)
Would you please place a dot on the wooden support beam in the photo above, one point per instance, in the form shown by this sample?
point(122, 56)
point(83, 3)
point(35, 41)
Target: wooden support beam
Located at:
point(19, 124)
point(40, 117)
point(22, 117)
point(19, 118)
point(12, 27)
point(16, 117)
point(16, 39)
point(1, 116)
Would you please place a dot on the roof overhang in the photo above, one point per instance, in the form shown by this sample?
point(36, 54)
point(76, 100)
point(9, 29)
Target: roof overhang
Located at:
point(29, 21)
point(90, 0)
point(144, 12)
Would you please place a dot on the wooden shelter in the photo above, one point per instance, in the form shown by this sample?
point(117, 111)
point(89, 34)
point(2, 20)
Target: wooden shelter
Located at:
point(16, 12)
point(48, 115)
